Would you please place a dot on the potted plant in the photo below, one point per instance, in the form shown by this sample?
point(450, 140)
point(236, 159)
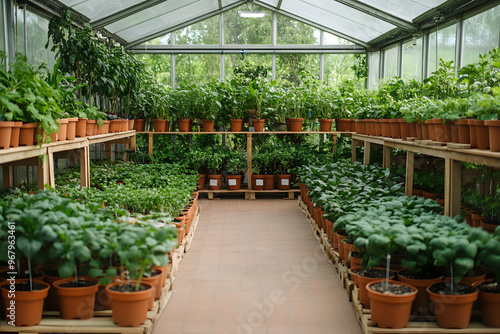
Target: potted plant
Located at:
point(237, 110)
point(258, 94)
point(215, 160)
point(284, 159)
point(262, 165)
point(235, 169)
point(210, 106)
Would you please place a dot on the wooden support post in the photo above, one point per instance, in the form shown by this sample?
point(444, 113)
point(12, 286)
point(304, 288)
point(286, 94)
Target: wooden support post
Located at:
point(85, 166)
point(334, 141)
point(249, 161)
point(353, 150)
point(43, 173)
point(410, 160)
point(366, 154)
point(452, 187)
point(50, 161)
point(150, 144)
point(133, 143)
point(107, 148)
point(386, 152)
point(8, 181)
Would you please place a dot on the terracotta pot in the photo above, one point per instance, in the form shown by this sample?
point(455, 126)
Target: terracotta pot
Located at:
point(413, 129)
point(426, 131)
point(14, 136)
point(180, 224)
point(91, 127)
point(378, 127)
point(391, 311)
point(269, 182)
point(362, 283)
point(71, 129)
point(482, 135)
point(453, 311)
point(368, 127)
point(156, 282)
point(490, 307)
point(40, 135)
point(284, 181)
point(386, 128)
point(439, 130)
point(447, 132)
point(233, 182)
point(5, 133)
point(76, 302)
point(340, 244)
point(463, 131)
point(419, 129)
point(201, 181)
point(114, 126)
point(208, 125)
point(131, 123)
point(159, 125)
point(468, 217)
point(258, 125)
point(343, 124)
point(325, 125)
point(395, 128)
point(215, 182)
point(472, 132)
point(455, 137)
point(405, 129)
point(488, 226)
point(81, 127)
point(494, 134)
point(329, 231)
point(476, 219)
point(422, 304)
point(130, 309)
point(105, 127)
point(348, 249)
point(52, 301)
point(236, 125)
point(428, 195)
point(317, 216)
point(28, 304)
point(469, 280)
point(139, 124)
point(258, 182)
point(63, 130)
point(355, 261)
point(27, 134)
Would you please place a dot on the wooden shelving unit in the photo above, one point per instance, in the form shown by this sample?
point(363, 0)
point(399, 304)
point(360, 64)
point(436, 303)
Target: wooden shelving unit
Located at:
point(249, 192)
point(452, 157)
point(43, 156)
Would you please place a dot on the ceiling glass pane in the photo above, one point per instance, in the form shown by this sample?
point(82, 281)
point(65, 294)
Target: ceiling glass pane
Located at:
point(291, 31)
point(331, 39)
point(405, 9)
point(339, 17)
point(273, 3)
point(204, 32)
point(161, 17)
point(247, 30)
point(228, 2)
point(97, 9)
point(162, 40)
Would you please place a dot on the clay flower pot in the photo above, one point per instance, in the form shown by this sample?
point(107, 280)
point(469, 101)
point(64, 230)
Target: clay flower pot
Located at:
point(295, 124)
point(63, 130)
point(419, 128)
point(71, 129)
point(201, 181)
point(388, 310)
point(76, 302)
point(476, 219)
point(91, 127)
point(183, 125)
point(472, 132)
point(404, 129)
point(159, 125)
point(81, 127)
point(215, 182)
point(27, 134)
point(426, 130)
point(155, 281)
point(487, 225)
point(14, 136)
point(208, 125)
point(453, 311)
point(329, 230)
point(447, 132)
point(422, 303)
point(494, 134)
point(258, 124)
point(463, 131)
point(233, 182)
point(139, 125)
point(5, 133)
point(348, 249)
point(258, 182)
point(395, 128)
point(455, 136)
point(268, 182)
point(28, 304)
point(340, 244)
point(236, 125)
point(413, 129)
point(490, 306)
point(344, 124)
point(284, 181)
point(355, 261)
point(130, 309)
point(325, 125)
point(363, 282)
point(482, 135)
point(386, 128)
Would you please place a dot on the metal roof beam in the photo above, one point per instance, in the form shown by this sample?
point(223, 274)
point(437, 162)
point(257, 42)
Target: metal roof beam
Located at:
point(236, 49)
point(313, 24)
point(279, 4)
point(379, 14)
point(184, 24)
point(125, 12)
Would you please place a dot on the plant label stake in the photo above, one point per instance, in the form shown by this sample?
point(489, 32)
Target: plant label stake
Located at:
point(232, 182)
point(213, 183)
point(388, 265)
point(259, 182)
point(284, 182)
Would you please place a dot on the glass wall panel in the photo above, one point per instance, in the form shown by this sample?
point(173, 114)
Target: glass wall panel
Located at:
point(20, 30)
point(412, 60)
point(163, 40)
point(196, 68)
point(233, 60)
point(445, 46)
point(373, 69)
point(480, 35)
point(290, 66)
point(2, 43)
point(338, 67)
point(331, 39)
point(391, 62)
point(159, 64)
point(290, 31)
point(37, 29)
point(248, 30)
point(204, 32)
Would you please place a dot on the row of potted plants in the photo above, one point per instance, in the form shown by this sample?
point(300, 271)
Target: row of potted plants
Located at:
point(391, 230)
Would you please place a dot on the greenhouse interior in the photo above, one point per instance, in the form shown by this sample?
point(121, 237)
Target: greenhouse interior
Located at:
point(250, 166)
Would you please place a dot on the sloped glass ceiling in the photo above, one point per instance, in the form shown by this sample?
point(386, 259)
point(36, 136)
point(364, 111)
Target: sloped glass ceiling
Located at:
point(358, 20)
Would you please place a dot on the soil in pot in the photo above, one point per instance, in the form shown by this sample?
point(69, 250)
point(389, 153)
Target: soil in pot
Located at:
point(391, 308)
point(28, 304)
point(453, 308)
point(489, 299)
point(366, 276)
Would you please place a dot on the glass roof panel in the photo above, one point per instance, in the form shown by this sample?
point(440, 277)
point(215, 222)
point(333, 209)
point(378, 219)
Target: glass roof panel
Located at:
point(339, 17)
point(273, 3)
point(97, 9)
point(405, 9)
point(160, 17)
point(228, 2)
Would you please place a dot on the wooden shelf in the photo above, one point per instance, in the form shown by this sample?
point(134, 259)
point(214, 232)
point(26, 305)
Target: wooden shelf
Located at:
point(250, 193)
point(248, 132)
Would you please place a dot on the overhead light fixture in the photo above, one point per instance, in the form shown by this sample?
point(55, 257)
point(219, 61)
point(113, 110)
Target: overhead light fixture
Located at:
point(250, 13)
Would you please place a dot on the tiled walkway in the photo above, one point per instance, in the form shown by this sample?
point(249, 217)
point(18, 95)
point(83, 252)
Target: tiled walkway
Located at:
point(255, 267)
